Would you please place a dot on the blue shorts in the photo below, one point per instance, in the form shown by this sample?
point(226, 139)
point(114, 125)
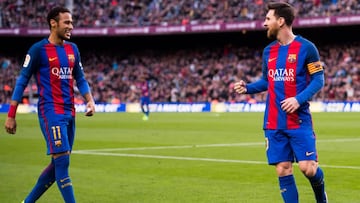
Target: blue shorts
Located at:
point(290, 145)
point(145, 100)
point(58, 131)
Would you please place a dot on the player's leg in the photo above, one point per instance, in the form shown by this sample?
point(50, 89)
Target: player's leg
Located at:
point(145, 108)
point(47, 177)
point(45, 180)
point(287, 182)
point(147, 112)
point(147, 103)
point(279, 153)
point(146, 115)
point(304, 145)
point(62, 161)
point(316, 177)
point(142, 107)
point(61, 135)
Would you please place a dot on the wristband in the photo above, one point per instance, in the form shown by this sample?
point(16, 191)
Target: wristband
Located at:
point(12, 111)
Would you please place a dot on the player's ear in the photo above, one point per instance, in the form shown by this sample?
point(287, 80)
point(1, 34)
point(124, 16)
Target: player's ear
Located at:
point(53, 23)
point(281, 21)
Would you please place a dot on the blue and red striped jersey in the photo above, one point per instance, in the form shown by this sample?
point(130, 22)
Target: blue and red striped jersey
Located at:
point(145, 89)
point(55, 68)
point(287, 72)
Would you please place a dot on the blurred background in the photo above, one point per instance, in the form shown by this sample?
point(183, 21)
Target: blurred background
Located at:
point(191, 50)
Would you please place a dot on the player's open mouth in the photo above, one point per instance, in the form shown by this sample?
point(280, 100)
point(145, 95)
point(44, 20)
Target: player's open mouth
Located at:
point(68, 33)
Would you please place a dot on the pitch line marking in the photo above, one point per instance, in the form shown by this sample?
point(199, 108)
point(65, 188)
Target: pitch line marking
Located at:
point(176, 147)
point(196, 159)
point(167, 157)
point(103, 152)
point(206, 145)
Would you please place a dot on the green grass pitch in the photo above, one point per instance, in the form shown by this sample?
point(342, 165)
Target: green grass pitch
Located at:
point(177, 157)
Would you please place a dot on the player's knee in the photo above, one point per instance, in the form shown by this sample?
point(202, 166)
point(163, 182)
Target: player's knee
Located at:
point(284, 169)
point(62, 161)
point(308, 168)
point(60, 154)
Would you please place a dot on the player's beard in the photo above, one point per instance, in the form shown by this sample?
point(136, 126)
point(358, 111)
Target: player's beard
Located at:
point(272, 33)
point(64, 35)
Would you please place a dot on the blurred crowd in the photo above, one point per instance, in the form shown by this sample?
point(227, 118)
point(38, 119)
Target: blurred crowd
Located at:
point(181, 75)
point(196, 75)
point(126, 13)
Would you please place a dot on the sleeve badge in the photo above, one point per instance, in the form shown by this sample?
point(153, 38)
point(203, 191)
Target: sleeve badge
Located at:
point(27, 61)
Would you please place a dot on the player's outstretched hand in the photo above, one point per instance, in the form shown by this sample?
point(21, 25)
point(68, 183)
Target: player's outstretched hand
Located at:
point(10, 125)
point(240, 87)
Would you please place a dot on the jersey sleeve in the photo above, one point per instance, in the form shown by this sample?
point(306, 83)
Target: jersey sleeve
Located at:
point(313, 62)
point(79, 75)
point(316, 71)
point(28, 68)
point(260, 85)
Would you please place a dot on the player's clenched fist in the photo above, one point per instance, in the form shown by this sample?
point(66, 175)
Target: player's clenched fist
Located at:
point(240, 87)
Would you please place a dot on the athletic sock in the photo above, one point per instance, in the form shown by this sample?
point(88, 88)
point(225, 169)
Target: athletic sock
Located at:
point(45, 180)
point(63, 179)
point(288, 189)
point(147, 112)
point(318, 185)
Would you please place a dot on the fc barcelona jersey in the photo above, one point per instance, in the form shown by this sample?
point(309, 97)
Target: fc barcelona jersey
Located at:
point(287, 70)
point(145, 90)
point(55, 68)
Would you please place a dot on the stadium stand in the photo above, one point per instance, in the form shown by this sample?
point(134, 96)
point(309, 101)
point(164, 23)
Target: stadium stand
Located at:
point(125, 13)
point(197, 74)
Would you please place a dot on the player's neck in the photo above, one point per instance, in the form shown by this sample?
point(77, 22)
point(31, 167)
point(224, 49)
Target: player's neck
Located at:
point(55, 40)
point(286, 37)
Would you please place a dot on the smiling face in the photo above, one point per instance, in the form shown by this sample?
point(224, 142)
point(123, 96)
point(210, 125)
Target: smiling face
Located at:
point(63, 26)
point(272, 24)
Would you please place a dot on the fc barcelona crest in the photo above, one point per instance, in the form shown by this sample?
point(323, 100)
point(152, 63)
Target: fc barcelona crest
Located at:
point(58, 143)
point(291, 58)
point(71, 57)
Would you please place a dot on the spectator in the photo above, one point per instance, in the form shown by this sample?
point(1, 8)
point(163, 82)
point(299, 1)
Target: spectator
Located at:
point(125, 13)
point(201, 74)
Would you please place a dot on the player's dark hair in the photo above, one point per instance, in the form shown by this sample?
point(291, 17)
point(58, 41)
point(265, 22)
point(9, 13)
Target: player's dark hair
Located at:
point(283, 9)
point(54, 14)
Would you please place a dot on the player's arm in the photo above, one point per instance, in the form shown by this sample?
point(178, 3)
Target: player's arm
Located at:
point(84, 89)
point(10, 122)
point(291, 104)
point(258, 86)
point(90, 104)
point(21, 83)
point(83, 86)
point(316, 83)
point(316, 71)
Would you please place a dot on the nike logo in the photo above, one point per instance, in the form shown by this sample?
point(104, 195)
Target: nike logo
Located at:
point(62, 180)
point(309, 153)
point(52, 59)
point(272, 59)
